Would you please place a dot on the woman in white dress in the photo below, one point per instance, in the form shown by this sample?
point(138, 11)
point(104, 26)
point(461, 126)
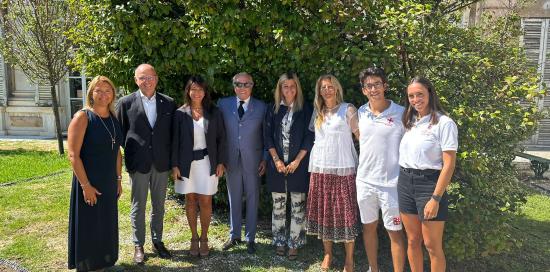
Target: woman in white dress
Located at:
point(197, 158)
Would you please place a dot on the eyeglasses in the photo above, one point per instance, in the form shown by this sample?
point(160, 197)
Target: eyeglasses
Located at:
point(327, 88)
point(369, 86)
point(146, 78)
point(243, 84)
point(103, 92)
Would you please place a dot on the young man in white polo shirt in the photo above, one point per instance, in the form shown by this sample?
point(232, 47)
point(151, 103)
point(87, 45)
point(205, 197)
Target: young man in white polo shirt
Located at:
point(381, 130)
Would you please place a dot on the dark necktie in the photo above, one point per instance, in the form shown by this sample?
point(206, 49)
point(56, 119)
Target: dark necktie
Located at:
point(240, 110)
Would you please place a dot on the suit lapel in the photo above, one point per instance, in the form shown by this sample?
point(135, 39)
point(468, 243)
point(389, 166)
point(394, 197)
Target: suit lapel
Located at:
point(160, 103)
point(233, 107)
point(205, 120)
point(141, 110)
point(250, 109)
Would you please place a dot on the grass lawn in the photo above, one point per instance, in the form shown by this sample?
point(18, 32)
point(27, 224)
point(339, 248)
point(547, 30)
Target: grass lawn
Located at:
point(21, 164)
point(34, 221)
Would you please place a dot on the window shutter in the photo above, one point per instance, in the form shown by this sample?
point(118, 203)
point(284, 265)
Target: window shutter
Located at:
point(534, 41)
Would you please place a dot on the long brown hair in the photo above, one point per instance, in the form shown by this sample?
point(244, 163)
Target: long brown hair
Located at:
point(278, 96)
point(199, 81)
point(433, 103)
point(319, 103)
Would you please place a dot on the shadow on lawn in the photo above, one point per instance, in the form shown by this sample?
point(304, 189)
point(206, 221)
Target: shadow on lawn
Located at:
point(21, 151)
point(532, 254)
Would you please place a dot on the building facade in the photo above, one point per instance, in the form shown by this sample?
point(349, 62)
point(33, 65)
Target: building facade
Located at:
point(25, 108)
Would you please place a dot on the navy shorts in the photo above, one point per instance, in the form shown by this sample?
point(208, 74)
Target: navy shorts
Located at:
point(415, 188)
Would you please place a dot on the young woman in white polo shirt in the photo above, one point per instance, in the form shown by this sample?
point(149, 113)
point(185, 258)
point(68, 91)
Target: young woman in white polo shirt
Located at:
point(427, 157)
point(380, 130)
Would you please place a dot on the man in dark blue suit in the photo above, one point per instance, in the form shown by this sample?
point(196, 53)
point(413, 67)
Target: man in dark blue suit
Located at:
point(244, 119)
point(145, 117)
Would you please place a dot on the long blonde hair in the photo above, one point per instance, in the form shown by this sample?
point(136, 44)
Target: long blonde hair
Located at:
point(278, 96)
point(89, 93)
point(319, 102)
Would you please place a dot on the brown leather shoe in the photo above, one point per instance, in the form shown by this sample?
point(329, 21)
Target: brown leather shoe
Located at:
point(204, 248)
point(194, 248)
point(161, 250)
point(292, 254)
point(139, 255)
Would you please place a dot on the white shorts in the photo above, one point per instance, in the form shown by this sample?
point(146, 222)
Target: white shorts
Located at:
point(372, 198)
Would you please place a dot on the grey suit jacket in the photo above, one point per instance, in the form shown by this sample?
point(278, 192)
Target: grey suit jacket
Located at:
point(244, 136)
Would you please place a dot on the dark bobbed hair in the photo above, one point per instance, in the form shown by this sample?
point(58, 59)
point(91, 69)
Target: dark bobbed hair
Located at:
point(199, 81)
point(373, 71)
point(434, 105)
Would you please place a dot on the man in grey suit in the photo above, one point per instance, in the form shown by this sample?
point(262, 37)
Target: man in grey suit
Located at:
point(243, 118)
point(145, 117)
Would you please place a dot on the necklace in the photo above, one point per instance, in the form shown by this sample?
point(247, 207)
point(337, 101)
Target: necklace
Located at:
point(196, 113)
point(114, 130)
point(330, 109)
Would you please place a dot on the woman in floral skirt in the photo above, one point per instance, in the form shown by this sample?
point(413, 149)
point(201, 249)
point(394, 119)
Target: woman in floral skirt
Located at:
point(331, 203)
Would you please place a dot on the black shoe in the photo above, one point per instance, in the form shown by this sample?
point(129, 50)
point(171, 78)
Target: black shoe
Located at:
point(251, 247)
point(231, 243)
point(139, 255)
point(161, 250)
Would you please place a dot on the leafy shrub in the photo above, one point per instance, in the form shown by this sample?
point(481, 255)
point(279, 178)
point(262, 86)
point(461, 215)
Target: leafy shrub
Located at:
point(484, 80)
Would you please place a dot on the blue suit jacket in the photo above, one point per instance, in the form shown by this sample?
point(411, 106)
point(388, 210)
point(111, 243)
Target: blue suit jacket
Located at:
point(300, 138)
point(145, 145)
point(244, 136)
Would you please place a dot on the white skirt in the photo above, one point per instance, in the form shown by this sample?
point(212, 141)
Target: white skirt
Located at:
point(200, 181)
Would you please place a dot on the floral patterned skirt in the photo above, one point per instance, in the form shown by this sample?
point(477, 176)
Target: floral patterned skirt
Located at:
point(332, 207)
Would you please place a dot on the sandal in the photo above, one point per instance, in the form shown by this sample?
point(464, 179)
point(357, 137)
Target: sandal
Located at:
point(204, 248)
point(292, 254)
point(194, 249)
point(329, 262)
point(280, 251)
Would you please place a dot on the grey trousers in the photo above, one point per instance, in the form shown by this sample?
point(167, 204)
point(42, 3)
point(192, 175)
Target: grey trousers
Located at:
point(141, 183)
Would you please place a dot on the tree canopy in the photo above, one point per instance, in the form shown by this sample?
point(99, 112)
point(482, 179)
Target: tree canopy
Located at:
point(484, 81)
point(34, 40)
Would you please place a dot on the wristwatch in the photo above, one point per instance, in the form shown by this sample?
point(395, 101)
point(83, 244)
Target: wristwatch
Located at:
point(436, 198)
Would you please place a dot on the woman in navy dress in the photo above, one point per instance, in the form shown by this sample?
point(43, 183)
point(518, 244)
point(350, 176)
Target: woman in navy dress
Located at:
point(93, 139)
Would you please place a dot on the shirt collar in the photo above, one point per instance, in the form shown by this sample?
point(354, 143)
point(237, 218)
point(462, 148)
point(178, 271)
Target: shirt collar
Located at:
point(144, 97)
point(283, 104)
point(425, 119)
point(387, 111)
point(245, 101)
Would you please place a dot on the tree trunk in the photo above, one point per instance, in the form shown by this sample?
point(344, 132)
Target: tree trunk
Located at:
point(55, 108)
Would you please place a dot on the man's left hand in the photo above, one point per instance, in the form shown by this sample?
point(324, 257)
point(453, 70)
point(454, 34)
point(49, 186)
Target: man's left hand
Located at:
point(261, 168)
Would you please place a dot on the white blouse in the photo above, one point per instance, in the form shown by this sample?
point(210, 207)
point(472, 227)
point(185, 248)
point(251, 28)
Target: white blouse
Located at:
point(333, 151)
point(422, 145)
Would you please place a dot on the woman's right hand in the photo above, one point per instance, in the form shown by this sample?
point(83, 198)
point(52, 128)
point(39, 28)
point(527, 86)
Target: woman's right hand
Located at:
point(176, 175)
point(280, 165)
point(90, 194)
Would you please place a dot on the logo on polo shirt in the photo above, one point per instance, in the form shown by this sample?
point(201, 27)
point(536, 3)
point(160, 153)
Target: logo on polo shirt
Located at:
point(389, 122)
point(397, 221)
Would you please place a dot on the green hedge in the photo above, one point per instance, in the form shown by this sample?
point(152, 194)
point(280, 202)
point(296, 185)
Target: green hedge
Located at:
point(482, 76)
